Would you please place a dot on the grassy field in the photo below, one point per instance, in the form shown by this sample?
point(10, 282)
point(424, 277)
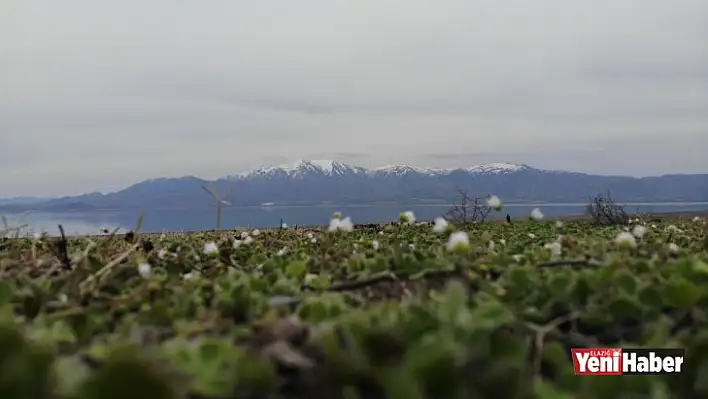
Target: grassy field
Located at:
point(396, 311)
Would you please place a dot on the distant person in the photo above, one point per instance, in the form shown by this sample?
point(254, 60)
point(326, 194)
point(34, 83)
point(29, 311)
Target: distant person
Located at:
point(508, 218)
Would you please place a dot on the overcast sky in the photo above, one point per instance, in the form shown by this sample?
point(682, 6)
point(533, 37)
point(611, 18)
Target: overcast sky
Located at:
point(96, 95)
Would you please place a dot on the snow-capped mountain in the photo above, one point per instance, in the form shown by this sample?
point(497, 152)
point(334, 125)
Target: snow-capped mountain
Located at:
point(304, 168)
point(400, 170)
point(496, 168)
point(300, 169)
point(307, 182)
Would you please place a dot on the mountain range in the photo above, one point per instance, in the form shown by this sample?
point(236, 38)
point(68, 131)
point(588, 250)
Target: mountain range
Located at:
point(312, 182)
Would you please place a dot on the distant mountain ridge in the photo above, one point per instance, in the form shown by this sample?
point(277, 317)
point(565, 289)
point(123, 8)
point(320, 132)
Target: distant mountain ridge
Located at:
point(312, 182)
point(335, 168)
point(22, 200)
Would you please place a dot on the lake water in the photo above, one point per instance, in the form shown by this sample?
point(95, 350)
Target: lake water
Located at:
point(157, 220)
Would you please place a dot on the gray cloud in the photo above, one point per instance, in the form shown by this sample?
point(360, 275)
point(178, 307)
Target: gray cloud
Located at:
point(95, 97)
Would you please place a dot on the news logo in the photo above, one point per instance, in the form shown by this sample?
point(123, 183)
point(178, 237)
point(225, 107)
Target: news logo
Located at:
point(618, 361)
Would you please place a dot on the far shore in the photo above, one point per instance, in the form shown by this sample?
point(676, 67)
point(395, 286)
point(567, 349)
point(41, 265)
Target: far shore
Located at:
point(17, 209)
point(648, 217)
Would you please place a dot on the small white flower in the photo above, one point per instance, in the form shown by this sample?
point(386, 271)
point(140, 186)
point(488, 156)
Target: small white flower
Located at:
point(559, 224)
point(210, 248)
point(536, 214)
point(696, 219)
point(554, 247)
point(502, 241)
point(639, 231)
point(340, 224)
point(314, 240)
point(255, 232)
point(375, 245)
point(310, 277)
point(282, 251)
point(346, 224)
point(411, 247)
point(145, 270)
point(407, 217)
point(197, 258)
point(491, 245)
point(381, 233)
point(673, 248)
point(458, 239)
point(625, 239)
point(494, 202)
point(237, 243)
point(532, 236)
point(440, 225)
point(673, 229)
point(310, 235)
point(190, 276)
point(333, 224)
point(244, 234)
point(653, 226)
point(247, 240)
point(516, 257)
point(162, 237)
point(63, 298)
point(161, 253)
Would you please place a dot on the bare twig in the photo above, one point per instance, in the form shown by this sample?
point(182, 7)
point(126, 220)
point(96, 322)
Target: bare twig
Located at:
point(63, 249)
point(468, 209)
point(105, 269)
point(605, 212)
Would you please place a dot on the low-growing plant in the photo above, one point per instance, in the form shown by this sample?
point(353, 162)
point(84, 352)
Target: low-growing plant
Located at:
point(400, 311)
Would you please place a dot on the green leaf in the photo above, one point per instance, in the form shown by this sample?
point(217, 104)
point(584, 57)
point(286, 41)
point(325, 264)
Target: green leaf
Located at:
point(24, 367)
point(254, 375)
point(399, 385)
point(433, 363)
point(650, 297)
point(562, 283)
point(210, 351)
point(313, 310)
point(700, 266)
point(491, 314)
point(5, 293)
point(319, 282)
point(626, 281)
point(681, 294)
point(622, 306)
point(296, 270)
point(126, 375)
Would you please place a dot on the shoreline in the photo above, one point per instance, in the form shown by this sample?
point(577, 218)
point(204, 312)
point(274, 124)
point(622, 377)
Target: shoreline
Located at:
point(10, 209)
point(653, 217)
point(679, 215)
point(498, 219)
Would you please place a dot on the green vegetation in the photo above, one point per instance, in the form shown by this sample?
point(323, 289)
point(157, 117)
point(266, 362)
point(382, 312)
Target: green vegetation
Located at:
point(379, 312)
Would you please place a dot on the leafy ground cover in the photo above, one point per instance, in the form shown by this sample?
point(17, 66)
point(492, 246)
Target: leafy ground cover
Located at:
point(405, 311)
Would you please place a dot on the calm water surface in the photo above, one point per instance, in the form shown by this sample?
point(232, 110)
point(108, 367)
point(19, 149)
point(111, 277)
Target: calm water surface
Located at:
point(156, 220)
